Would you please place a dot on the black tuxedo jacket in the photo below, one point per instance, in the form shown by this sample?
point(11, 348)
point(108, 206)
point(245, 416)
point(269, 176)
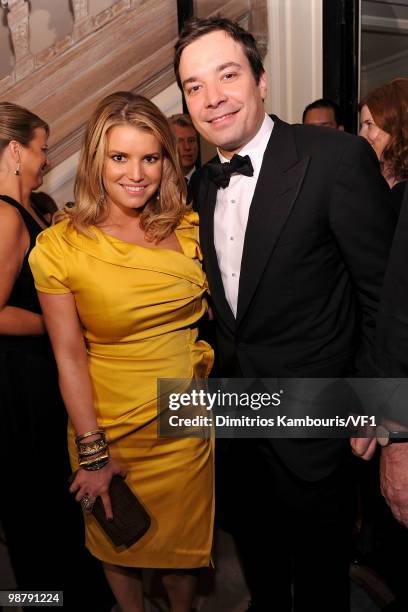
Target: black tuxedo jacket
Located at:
point(392, 328)
point(316, 245)
point(392, 332)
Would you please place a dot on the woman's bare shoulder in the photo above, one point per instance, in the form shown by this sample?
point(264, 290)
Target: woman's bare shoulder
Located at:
point(10, 219)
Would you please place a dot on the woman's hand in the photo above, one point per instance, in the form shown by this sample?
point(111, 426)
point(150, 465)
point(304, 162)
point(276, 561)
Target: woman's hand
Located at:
point(92, 484)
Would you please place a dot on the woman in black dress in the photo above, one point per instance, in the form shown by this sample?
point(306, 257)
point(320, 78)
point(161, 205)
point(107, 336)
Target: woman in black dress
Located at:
point(40, 522)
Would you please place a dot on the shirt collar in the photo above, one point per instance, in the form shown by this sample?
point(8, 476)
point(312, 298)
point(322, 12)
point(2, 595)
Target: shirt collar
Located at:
point(190, 174)
point(255, 148)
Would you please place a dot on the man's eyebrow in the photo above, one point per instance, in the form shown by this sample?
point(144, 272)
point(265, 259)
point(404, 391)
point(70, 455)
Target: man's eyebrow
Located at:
point(191, 79)
point(228, 65)
point(219, 68)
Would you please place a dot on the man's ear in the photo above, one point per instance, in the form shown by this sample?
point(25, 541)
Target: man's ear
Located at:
point(263, 85)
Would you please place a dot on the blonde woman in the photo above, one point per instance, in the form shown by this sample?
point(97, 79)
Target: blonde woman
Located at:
point(122, 291)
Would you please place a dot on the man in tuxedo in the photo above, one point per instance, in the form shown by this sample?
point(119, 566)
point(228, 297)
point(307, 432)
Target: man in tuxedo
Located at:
point(295, 233)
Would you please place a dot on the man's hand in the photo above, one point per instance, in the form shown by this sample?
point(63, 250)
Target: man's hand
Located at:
point(394, 480)
point(363, 447)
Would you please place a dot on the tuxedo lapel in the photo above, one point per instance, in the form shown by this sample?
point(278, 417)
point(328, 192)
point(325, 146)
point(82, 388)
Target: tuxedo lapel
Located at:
point(207, 207)
point(277, 188)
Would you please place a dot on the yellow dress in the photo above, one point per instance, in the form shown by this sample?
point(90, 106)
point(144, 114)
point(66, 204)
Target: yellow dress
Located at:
point(139, 308)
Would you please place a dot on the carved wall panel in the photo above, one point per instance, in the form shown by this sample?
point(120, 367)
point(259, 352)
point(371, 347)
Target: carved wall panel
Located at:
point(50, 22)
point(80, 8)
point(17, 19)
point(128, 45)
point(134, 52)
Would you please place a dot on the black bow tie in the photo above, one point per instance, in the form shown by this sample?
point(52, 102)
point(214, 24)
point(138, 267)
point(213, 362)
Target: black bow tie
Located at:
point(221, 173)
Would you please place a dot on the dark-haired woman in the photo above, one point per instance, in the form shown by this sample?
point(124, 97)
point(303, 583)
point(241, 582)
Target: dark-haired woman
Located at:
point(35, 511)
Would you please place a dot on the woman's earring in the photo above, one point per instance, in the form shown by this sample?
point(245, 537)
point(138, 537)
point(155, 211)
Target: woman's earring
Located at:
point(17, 170)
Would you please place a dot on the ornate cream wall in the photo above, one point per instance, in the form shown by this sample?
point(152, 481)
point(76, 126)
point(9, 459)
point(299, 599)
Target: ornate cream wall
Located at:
point(50, 20)
point(293, 62)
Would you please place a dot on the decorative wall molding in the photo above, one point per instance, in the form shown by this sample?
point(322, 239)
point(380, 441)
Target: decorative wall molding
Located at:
point(128, 46)
point(84, 24)
point(81, 10)
point(17, 20)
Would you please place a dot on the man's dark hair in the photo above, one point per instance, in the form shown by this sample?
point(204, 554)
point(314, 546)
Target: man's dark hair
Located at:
point(325, 103)
point(196, 28)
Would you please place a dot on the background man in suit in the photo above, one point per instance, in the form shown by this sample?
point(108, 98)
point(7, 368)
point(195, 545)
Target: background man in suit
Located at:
point(295, 233)
point(187, 143)
point(323, 112)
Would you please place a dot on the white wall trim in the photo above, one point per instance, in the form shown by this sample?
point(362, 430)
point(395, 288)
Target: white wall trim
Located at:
point(276, 59)
point(316, 37)
point(295, 58)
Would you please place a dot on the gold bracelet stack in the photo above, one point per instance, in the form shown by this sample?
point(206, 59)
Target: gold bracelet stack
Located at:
point(92, 455)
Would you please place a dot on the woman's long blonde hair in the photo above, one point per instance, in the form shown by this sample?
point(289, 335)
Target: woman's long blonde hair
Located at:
point(164, 211)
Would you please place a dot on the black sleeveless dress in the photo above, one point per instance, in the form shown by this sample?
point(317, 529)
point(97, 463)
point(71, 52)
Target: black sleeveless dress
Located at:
point(41, 522)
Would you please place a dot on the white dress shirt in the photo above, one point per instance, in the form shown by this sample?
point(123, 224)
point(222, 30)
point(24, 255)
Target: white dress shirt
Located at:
point(231, 214)
point(190, 174)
